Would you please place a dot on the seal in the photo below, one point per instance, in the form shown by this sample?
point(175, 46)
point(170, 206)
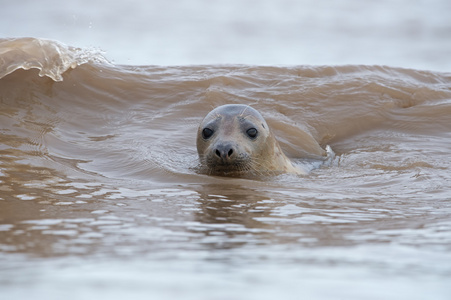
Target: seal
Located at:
point(234, 140)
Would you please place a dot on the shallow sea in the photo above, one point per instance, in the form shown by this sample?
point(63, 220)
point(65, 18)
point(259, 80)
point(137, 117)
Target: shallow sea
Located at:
point(100, 194)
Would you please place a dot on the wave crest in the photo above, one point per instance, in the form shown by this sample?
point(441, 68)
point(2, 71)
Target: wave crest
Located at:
point(51, 58)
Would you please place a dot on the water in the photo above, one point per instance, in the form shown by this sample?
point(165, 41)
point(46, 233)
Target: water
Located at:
point(401, 33)
point(100, 192)
point(100, 197)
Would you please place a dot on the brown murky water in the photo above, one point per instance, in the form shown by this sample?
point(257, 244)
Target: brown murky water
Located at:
point(99, 194)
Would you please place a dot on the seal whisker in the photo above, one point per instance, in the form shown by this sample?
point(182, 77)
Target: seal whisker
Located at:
point(244, 110)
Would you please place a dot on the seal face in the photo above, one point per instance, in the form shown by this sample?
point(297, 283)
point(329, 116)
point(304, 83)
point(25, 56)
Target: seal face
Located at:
point(234, 140)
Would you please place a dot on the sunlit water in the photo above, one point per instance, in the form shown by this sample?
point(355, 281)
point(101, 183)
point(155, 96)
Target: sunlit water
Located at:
point(400, 33)
point(100, 196)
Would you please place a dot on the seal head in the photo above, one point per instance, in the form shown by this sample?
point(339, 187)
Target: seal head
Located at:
point(234, 140)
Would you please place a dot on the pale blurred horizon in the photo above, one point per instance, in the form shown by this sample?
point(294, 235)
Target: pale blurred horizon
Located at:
point(401, 33)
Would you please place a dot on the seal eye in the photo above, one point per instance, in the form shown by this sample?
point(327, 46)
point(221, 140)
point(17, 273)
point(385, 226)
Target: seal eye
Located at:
point(252, 133)
point(207, 133)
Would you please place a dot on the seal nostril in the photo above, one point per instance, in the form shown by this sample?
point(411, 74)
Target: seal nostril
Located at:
point(224, 152)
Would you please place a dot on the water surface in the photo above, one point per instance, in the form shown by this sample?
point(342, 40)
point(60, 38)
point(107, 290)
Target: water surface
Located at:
point(100, 196)
point(399, 33)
